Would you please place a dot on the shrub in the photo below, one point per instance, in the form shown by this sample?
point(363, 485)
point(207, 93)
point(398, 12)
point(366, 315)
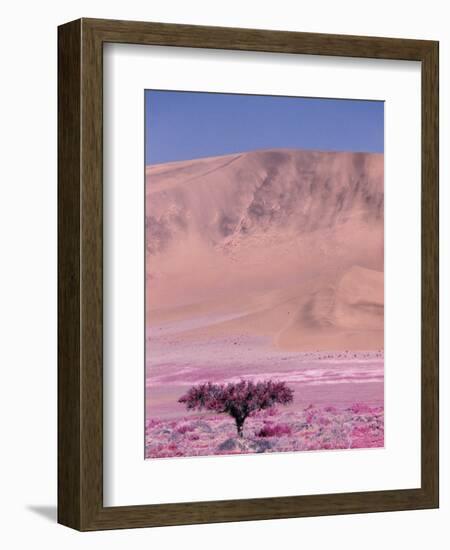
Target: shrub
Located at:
point(274, 430)
point(185, 428)
point(359, 408)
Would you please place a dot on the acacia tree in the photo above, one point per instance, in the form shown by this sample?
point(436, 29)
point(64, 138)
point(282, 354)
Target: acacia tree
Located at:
point(239, 399)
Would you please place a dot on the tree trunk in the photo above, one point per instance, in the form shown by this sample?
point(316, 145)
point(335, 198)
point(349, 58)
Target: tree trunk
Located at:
point(240, 426)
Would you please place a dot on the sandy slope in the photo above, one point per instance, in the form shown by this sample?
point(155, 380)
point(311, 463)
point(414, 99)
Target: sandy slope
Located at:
point(283, 244)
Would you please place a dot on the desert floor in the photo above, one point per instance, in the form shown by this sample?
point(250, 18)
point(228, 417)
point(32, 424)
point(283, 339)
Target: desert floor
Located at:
point(338, 396)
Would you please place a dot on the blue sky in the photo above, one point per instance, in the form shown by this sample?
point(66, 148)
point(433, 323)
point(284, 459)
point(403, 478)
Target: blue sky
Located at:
point(188, 125)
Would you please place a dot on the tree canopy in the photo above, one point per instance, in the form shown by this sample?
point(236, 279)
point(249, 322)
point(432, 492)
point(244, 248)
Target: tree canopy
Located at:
point(239, 399)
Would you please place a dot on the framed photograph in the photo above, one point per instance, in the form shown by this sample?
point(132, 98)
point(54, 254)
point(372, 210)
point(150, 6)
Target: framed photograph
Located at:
point(248, 274)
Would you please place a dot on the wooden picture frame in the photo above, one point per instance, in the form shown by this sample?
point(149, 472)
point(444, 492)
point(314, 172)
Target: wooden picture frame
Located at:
point(80, 272)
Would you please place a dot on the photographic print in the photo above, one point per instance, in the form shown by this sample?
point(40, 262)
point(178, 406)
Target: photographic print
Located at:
point(264, 282)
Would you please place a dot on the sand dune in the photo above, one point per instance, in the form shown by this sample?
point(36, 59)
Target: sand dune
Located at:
point(348, 315)
point(287, 244)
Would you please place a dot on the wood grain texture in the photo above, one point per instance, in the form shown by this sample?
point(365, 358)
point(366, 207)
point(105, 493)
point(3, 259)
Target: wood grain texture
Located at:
point(69, 178)
point(80, 265)
point(430, 273)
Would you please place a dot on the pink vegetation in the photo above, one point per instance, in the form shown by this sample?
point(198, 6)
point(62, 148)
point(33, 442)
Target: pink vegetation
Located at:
point(274, 430)
point(311, 429)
